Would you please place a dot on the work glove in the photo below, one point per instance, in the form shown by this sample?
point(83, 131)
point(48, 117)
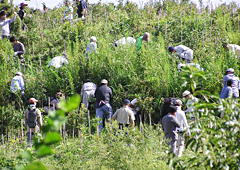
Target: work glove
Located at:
point(15, 54)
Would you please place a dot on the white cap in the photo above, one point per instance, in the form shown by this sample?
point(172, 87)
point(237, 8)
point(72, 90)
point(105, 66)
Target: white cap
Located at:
point(230, 70)
point(186, 93)
point(19, 73)
point(93, 39)
point(104, 81)
point(178, 102)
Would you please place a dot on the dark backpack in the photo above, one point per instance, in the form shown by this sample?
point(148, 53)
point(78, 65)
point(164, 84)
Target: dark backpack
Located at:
point(32, 118)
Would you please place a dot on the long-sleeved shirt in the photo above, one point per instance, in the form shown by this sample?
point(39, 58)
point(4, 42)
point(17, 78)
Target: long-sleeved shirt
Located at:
point(184, 52)
point(17, 84)
point(68, 13)
point(226, 92)
point(91, 48)
point(4, 25)
point(89, 86)
point(170, 123)
point(181, 117)
point(39, 122)
point(19, 48)
point(235, 86)
point(58, 61)
point(123, 114)
point(124, 41)
point(103, 93)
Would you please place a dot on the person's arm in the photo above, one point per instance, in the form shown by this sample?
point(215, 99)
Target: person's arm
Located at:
point(133, 123)
point(114, 116)
point(175, 122)
point(39, 118)
point(82, 91)
point(22, 84)
point(14, 18)
point(132, 117)
point(5, 22)
point(185, 123)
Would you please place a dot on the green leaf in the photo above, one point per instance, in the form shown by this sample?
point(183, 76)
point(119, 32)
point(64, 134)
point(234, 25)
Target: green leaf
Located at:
point(71, 103)
point(44, 150)
point(36, 166)
point(27, 155)
point(52, 137)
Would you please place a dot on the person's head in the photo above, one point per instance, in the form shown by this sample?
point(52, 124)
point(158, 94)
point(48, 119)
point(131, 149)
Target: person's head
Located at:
point(13, 40)
point(59, 95)
point(186, 94)
point(146, 37)
point(229, 83)
point(172, 110)
point(3, 15)
point(178, 103)
point(89, 80)
point(126, 102)
point(23, 5)
point(18, 74)
point(171, 49)
point(104, 82)
point(68, 3)
point(225, 46)
point(33, 101)
point(230, 71)
point(65, 55)
point(93, 39)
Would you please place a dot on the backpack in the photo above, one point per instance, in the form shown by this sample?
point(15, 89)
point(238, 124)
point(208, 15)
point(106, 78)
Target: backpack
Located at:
point(32, 118)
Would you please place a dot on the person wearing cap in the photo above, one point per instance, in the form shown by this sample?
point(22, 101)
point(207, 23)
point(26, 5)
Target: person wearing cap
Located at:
point(91, 47)
point(81, 8)
point(183, 51)
point(68, 12)
point(125, 41)
point(87, 91)
point(17, 88)
point(18, 48)
point(21, 12)
point(39, 122)
point(103, 95)
point(123, 115)
point(4, 24)
point(142, 39)
point(235, 82)
point(170, 124)
point(235, 49)
point(181, 117)
point(190, 101)
point(226, 91)
point(59, 61)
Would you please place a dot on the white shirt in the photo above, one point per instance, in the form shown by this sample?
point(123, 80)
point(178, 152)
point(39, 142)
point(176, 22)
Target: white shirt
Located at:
point(181, 117)
point(184, 52)
point(17, 83)
point(4, 25)
point(123, 41)
point(235, 49)
point(58, 61)
point(91, 47)
point(89, 86)
point(68, 13)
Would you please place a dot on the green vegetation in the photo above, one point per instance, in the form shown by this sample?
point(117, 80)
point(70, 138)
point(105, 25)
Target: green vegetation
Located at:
point(149, 75)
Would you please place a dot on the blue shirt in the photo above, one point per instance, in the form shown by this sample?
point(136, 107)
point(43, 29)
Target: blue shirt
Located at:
point(17, 83)
point(235, 81)
point(225, 92)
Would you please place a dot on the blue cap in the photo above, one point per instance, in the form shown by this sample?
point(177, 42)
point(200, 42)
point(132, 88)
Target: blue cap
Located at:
point(171, 49)
point(126, 101)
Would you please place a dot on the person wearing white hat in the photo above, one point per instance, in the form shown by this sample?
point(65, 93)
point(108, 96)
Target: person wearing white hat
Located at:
point(91, 47)
point(59, 61)
point(124, 41)
point(87, 91)
point(17, 89)
point(33, 119)
point(183, 51)
point(68, 12)
point(235, 82)
point(235, 49)
point(190, 101)
point(181, 117)
point(103, 96)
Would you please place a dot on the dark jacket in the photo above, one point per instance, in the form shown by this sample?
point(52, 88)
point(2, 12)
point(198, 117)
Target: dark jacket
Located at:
point(103, 93)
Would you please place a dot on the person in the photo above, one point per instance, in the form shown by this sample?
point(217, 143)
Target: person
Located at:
point(59, 61)
point(190, 101)
point(235, 82)
point(144, 38)
point(91, 47)
point(87, 91)
point(234, 48)
point(33, 119)
point(183, 126)
point(184, 52)
point(103, 95)
point(180, 66)
point(226, 91)
point(45, 9)
point(17, 89)
point(68, 12)
point(81, 8)
point(4, 24)
point(123, 114)
point(124, 41)
point(18, 48)
point(21, 12)
point(169, 124)
point(54, 103)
